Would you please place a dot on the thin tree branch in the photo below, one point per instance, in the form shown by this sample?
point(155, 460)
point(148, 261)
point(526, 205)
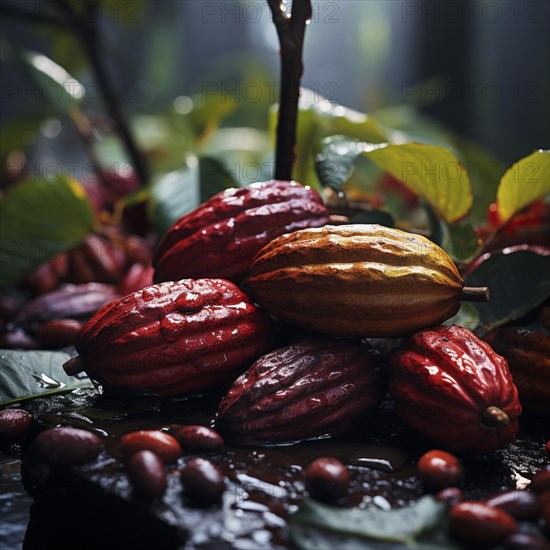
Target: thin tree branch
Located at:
point(87, 32)
point(281, 20)
point(301, 14)
point(291, 31)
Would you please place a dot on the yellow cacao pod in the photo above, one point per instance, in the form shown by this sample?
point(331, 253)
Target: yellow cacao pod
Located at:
point(356, 280)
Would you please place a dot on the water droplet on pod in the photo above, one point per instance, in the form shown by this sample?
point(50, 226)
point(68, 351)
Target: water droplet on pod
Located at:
point(172, 326)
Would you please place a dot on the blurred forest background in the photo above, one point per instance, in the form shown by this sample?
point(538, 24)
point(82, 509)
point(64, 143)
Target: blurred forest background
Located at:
point(479, 68)
point(196, 81)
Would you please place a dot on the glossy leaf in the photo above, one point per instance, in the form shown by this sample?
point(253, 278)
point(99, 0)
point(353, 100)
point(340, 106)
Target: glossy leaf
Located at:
point(29, 374)
point(309, 538)
point(214, 178)
point(431, 172)
point(318, 117)
point(61, 90)
point(41, 218)
point(336, 162)
point(174, 194)
point(400, 526)
point(460, 241)
point(413, 125)
point(518, 280)
point(242, 152)
point(525, 182)
point(208, 112)
point(467, 317)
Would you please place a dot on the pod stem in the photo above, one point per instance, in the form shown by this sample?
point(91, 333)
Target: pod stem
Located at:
point(475, 293)
point(73, 366)
point(493, 417)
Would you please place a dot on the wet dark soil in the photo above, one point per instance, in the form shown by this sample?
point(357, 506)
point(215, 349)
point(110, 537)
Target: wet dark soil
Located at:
point(93, 506)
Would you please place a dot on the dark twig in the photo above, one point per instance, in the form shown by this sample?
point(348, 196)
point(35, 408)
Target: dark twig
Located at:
point(87, 31)
point(291, 31)
point(85, 27)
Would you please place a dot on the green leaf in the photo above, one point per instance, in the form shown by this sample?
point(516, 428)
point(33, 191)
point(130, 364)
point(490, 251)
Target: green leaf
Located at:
point(460, 241)
point(40, 219)
point(209, 110)
point(413, 124)
point(526, 181)
point(242, 153)
point(58, 88)
point(400, 526)
point(337, 119)
point(431, 172)
point(308, 538)
point(318, 117)
point(336, 162)
point(467, 317)
point(18, 134)
point(174, 194)
point(214, 178)
point(518, 282)
point(29, 374)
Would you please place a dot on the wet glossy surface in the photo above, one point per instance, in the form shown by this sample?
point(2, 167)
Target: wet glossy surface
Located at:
point(95, 502)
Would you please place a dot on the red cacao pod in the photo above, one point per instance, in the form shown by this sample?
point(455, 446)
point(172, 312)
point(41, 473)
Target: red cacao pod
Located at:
point(58, 333)
point(308, 389)
point(453, 388)
point(527, 351)
point(138, 276)
point(173, 337)
point(48, 275)
point(96, 260)
point(221, 237)
point(67, 302)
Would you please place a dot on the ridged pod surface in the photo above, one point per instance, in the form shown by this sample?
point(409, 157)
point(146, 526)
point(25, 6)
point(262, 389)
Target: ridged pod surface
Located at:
point(221, 237)
point(174, 337)
point(357, 280)
point(310, 388)
point(455, 390)
point(527, 350)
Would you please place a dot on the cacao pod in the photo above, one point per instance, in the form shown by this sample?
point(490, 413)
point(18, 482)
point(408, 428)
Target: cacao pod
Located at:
point(310, 388)
point(48, 275)
point(221, 237)
point(455, 390)
point(138, 276)
point(527, 350)
point(173, 338)
point(356, 280)
point(96, 260)
point(78, 302)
